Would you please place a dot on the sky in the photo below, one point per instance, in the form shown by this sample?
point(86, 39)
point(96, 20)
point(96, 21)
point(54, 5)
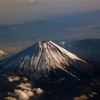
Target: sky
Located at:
point(19, 11)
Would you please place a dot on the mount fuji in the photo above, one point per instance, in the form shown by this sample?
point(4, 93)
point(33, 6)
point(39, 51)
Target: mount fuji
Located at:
point(44, 59)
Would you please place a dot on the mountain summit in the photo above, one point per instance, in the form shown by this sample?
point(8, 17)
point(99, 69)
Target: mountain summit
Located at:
point(44, 58)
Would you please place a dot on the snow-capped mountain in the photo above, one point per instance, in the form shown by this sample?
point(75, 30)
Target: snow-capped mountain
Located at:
point(42, 58)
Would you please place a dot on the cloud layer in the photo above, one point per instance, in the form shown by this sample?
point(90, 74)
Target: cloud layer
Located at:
point(19, 89)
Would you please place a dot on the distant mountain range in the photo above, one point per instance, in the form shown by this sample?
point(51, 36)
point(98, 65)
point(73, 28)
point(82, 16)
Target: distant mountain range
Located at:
point(71, 27)
point(87, 49)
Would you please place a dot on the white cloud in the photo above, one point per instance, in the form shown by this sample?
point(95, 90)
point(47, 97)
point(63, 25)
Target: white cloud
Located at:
point(22, 90)
point(39, 91)
point(2, 53)
point(82, 97)
point(31, 0)
point(24, 94)
point(25, 86)
point(10, 98)
point(13, 78)
point(21, 95)
point(62, 43)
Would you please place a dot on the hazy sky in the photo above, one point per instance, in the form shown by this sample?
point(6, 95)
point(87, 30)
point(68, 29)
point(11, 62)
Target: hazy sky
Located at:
point(19, 11)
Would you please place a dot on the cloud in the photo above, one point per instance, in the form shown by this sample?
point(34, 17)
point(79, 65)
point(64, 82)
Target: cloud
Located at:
point(10, 98)
point(38, 91)
point(18, 88)
point(62, 43)
point(13, 78)
point(82, 97)
point(22, 95)
point(31, 0)
point(17, 95)
point(2, 53)
point(25, 86)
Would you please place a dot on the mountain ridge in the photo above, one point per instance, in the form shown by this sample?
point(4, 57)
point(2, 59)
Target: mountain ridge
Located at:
point(87, 49)
point(43, 58)
point(49, 67)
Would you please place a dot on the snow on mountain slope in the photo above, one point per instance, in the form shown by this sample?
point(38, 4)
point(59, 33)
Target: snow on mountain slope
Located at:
point(43, 57)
